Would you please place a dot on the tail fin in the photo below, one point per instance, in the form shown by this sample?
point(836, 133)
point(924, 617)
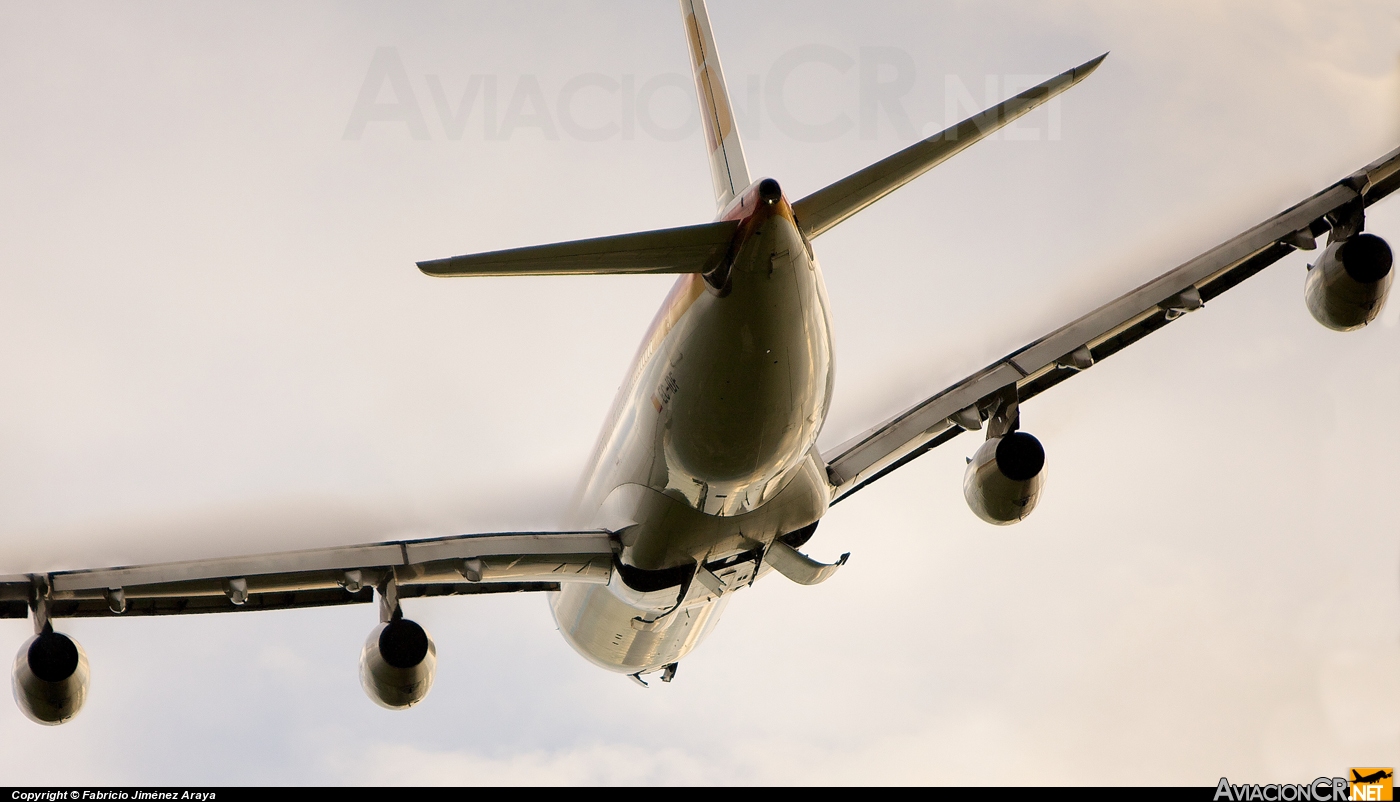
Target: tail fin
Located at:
point(727, 167)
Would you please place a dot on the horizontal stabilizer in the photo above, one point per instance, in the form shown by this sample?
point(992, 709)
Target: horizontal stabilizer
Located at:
point(692, 249)
point(826, 207)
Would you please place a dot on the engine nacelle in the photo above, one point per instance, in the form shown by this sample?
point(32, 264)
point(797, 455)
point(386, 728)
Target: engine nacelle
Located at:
point(397, 664)
point(1003, 480)
point(50, 678)
point(1347, 285)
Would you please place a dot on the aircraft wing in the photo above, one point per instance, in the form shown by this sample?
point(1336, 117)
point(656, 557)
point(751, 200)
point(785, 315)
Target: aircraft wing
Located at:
point(1103, 332)
point(448, 566)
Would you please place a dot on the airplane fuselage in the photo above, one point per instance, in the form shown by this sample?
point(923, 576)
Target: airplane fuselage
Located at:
point(709, 451)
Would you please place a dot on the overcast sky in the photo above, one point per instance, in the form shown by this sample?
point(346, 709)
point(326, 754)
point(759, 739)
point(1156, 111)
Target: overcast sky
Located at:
point(214, 341)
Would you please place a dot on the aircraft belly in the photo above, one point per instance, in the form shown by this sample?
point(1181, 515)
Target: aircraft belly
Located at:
point(626, 630)
point(606, 629)
point(746, 391)
point(723, 405)
point(709, 452)
point(659, 531)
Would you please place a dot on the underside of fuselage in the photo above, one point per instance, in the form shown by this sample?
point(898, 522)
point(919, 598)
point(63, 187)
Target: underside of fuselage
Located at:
point(709, 452)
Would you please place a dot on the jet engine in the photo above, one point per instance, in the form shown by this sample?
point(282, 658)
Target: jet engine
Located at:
point(1004, 478)
point(50, 677)
point(397, 664)
point(1346, 287)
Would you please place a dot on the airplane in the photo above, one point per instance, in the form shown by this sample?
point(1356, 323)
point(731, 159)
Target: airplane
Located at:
point(707, 476)
point(1373, 777)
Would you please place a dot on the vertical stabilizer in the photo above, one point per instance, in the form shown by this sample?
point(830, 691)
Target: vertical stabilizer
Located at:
point(727, 167)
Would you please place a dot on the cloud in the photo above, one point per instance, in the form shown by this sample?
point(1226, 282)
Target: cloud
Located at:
point(214, 340)
point(598, 764)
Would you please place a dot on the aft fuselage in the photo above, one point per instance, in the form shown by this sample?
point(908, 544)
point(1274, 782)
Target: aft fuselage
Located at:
point(709, 451)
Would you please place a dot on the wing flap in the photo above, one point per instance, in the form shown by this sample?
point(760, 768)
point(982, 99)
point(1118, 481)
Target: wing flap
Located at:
point(860, 458)
point(466, 564)
point(289, 600)
point(1122, 311)
point(690, 249)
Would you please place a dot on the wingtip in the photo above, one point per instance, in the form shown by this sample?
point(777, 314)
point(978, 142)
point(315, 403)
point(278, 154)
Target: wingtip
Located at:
point(1083, 70)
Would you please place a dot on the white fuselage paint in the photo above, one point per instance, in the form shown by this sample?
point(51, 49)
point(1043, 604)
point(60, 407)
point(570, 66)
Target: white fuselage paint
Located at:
point(709, 451)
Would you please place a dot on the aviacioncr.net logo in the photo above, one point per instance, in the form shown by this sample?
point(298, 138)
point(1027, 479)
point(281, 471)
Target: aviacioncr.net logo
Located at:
point(1368, 784)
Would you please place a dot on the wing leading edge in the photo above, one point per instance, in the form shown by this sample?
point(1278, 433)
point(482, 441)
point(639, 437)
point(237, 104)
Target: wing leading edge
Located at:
point(1105, 331)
